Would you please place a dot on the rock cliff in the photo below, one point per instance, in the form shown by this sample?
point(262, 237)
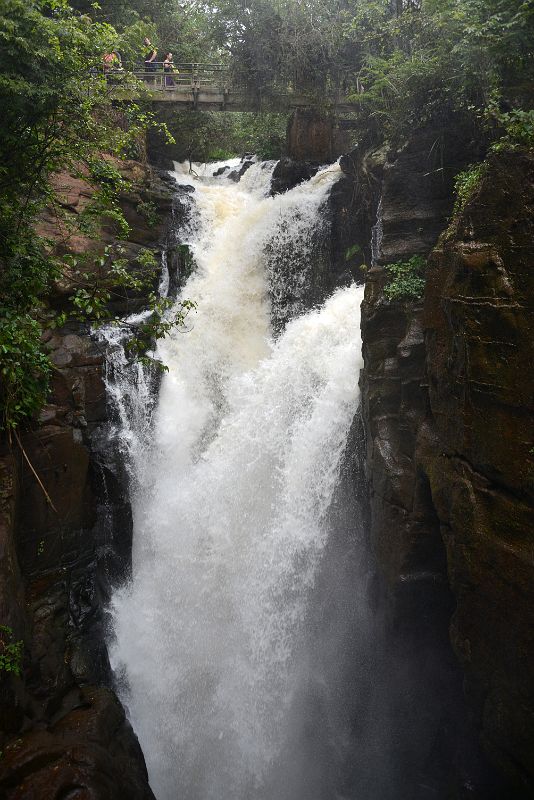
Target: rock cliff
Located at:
point(477, 449)
point(64, 733)
point(447, 396)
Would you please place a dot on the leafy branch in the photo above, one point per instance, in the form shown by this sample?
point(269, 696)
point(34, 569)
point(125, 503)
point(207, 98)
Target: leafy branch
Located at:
point(11, 652)
point(60, 115)
point(406, 279)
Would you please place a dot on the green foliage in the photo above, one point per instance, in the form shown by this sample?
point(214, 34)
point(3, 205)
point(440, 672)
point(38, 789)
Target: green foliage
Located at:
point(148, 210)
point(466, 183)
point(406, 62)
point(447, 59)
point(518, 129)
point(264, 134)
point(217, 136)
point(165, 315)
point(219, 154)
point(105, 173)
point(406, 281)
point(24, 368)
point(11, 652)
point(353, 250)
point(148, 261)
point(59, 115)
point(103, 208)
point(111, 277)
point(108, 277)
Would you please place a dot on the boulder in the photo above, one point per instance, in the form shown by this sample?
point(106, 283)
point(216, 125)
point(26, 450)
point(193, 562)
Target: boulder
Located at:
point(288, 173)
point(87, 752)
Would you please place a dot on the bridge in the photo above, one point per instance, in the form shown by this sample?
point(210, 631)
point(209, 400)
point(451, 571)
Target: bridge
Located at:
point(213, 87)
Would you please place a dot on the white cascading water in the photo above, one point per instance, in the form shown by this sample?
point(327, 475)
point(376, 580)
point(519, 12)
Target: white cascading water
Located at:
point(231, 493)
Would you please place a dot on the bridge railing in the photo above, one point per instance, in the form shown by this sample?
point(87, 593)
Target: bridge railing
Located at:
point(197, 83)
point(183, 76)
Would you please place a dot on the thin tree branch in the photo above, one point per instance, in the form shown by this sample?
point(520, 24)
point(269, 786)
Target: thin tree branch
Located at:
point(39, 481)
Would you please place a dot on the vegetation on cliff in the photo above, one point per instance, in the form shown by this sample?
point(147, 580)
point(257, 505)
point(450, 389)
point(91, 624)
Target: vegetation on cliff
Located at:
point(60, 115)
point(406, 279)
point(405, 63)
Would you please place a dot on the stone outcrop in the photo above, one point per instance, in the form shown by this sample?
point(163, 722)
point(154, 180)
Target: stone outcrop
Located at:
point(447, 400)
point(87, 750)
point(335, 251)
point(63, 732)
point(309, 137)
point(289, 172)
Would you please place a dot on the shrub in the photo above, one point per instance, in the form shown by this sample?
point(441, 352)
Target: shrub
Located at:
point(406, 279)
point(10, 652)
point(25, 369)
point(149, 212)
point(466, 183)
point(518, 131)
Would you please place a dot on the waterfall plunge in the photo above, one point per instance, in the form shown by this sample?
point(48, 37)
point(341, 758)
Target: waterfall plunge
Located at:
point(231, 503)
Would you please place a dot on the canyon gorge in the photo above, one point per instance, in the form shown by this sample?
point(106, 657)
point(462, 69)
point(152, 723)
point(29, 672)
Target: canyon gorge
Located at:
point(297, 565)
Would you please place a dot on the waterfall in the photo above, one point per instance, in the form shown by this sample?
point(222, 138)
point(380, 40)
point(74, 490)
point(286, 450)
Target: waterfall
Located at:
point(377, 235)
point(235, 472)
point(130, 386)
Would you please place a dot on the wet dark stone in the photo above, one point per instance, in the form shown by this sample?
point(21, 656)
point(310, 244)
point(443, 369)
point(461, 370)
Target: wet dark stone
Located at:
point(447, 415)
point(236, 174)
point(89, 751)
point(289, 173)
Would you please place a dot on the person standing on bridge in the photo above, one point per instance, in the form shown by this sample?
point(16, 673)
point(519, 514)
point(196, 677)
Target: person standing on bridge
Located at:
point(168, 69)
point(150, 55)
point(111, 61)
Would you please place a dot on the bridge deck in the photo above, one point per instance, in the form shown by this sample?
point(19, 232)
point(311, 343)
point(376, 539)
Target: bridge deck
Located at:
point(212, 87)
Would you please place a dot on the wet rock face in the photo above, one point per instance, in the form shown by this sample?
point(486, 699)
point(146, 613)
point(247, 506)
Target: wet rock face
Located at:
point(416, 201)
point(87, 752)
point(63, 732)
point(418, 184)
point(448, 407)
point(302, 274)
point(236, 174)
point(479, 320)
point(289, 172)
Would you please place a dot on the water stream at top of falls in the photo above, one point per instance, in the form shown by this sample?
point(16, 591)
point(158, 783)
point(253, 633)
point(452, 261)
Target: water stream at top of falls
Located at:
point(233, 480)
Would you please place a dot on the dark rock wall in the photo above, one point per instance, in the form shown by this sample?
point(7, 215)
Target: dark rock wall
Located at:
point(416, 201)
point(63, 732)
point(447, 395)
point(309, 137)
point(477, 450)
point(312, 136)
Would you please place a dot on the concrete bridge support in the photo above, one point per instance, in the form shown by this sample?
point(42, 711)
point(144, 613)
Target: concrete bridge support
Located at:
point(312, 136)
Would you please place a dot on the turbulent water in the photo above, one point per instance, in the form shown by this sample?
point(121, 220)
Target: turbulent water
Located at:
point(234, 476)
